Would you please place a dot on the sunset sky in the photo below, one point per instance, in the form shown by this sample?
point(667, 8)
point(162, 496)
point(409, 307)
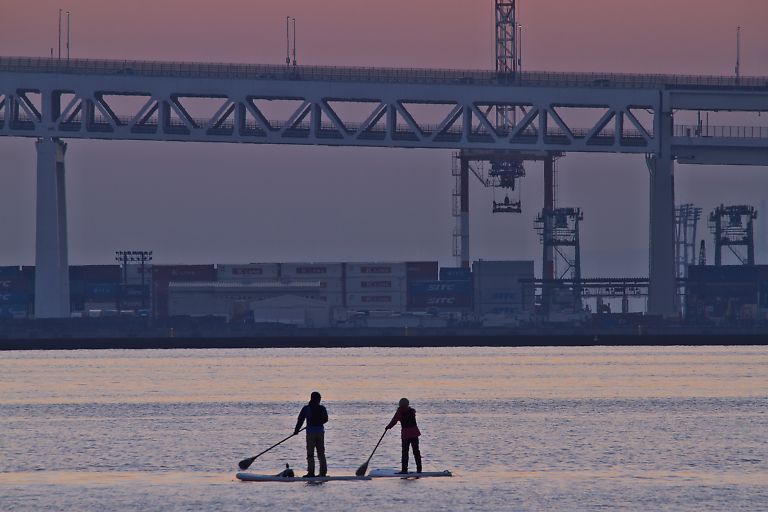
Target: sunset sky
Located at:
point(236, 203)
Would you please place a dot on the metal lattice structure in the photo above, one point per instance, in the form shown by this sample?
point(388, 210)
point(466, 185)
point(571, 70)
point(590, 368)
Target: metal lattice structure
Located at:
point(687, 218)
point(733, 227)
point(558, 230)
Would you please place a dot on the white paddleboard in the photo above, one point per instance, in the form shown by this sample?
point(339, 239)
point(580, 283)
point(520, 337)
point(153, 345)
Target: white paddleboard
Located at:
point(253, 477)
point(393, 473)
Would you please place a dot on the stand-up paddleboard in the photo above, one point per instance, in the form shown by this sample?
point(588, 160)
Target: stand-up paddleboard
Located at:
point(253, 477)
point(393, 473)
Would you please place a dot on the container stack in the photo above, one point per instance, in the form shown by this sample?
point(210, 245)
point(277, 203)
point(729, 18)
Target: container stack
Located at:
point(503, 288)
point(16, 292)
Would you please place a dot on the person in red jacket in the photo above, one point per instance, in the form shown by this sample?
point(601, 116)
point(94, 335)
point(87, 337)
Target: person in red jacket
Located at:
point(409, 433)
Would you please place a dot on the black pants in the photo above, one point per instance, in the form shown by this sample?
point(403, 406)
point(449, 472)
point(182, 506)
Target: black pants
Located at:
point(414, 443)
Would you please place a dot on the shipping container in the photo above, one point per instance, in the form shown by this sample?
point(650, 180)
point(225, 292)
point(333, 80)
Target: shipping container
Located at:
point(333, 299)
point(28, 272)
point(439, 294)
point(77, 288)
point(441, 300)
point(311, 270)
point(455, 274)
point(100, 306)
point(181, 273)
point(422, 270)
point(135, 291)
point(15, 298)
point(374, 283)
point(16, 284)
point(96, 273)
point(247, 272)
point(376, 270)
point(514, 269)
point(438, 287)
point(10, 272)
point(376, 301)
point(101, 291)
point(15, 311)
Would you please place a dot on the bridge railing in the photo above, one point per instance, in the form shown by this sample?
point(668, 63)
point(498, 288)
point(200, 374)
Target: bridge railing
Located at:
point(362, 74)
point(735, 132)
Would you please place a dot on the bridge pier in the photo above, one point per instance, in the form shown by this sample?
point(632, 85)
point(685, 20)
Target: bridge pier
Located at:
point(51, 256)
point(662, 286)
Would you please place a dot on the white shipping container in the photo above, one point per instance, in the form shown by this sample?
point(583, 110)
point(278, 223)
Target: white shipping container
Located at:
point(332, 285)
point(311, 270)
point(247, 272)
point(376, 269)
point(375, 284)
point(377, 301)
point(333, 299)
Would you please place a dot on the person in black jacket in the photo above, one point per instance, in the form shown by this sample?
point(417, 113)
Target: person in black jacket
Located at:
point(316, 416)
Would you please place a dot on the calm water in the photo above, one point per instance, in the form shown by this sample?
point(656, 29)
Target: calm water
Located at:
point(522, 429)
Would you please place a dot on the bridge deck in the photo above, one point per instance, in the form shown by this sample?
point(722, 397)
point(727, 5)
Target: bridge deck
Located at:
point(376, 75)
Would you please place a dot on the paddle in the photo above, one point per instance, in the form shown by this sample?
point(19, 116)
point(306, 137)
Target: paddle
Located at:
point(362, 469)
point(246, 463)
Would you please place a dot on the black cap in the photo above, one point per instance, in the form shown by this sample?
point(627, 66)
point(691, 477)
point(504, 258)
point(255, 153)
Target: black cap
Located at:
point(404, 402)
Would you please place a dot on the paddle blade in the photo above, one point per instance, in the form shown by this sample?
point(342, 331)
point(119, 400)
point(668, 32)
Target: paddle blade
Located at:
point(361, 470)
point(246, 463)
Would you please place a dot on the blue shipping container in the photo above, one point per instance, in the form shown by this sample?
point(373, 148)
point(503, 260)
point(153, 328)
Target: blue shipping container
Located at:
point(96, 273)
point(14, 297)
point(136, 290)
point(440, 287)
point(13, 271)
point(449, 300)
point(455, 274)
point(16, 284)
point(101, 290)
point(77, 288)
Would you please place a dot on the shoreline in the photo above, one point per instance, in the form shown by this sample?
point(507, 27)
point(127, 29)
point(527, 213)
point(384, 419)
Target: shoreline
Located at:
point(389, 341)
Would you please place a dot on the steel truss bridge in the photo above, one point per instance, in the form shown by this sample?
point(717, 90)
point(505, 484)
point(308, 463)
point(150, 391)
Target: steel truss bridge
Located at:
point(52, 99)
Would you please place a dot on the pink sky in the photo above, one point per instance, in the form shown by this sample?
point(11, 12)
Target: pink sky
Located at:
point(687, 36)
point(227, 203)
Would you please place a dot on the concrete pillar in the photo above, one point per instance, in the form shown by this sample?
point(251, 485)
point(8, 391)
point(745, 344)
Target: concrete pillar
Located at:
point(51, 256)
point(663, 286)
point(464, 211)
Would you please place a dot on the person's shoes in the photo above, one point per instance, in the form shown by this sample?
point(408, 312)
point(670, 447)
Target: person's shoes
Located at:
point(418, 470)
point(403, 472)
point(323, 473)
point(309, 475)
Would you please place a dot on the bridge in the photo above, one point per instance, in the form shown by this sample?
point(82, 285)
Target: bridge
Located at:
point(54, 99)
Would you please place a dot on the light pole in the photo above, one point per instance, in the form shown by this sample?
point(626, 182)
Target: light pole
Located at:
point(140, 257)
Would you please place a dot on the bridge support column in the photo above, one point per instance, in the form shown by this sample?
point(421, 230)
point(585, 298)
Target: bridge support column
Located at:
point(51, 257)
point(662, 286)
point(464, 211)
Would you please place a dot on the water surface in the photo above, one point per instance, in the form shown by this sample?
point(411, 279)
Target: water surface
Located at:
point(521, 428)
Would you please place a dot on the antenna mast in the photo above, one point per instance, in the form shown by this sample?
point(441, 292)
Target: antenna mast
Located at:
point(738, 54)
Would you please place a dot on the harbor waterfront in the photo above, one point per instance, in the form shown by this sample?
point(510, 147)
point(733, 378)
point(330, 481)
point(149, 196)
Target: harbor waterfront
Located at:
point(579, 428)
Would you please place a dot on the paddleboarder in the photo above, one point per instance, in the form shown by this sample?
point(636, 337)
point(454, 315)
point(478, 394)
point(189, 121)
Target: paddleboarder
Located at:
point(316, 416)
point(409, 433)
